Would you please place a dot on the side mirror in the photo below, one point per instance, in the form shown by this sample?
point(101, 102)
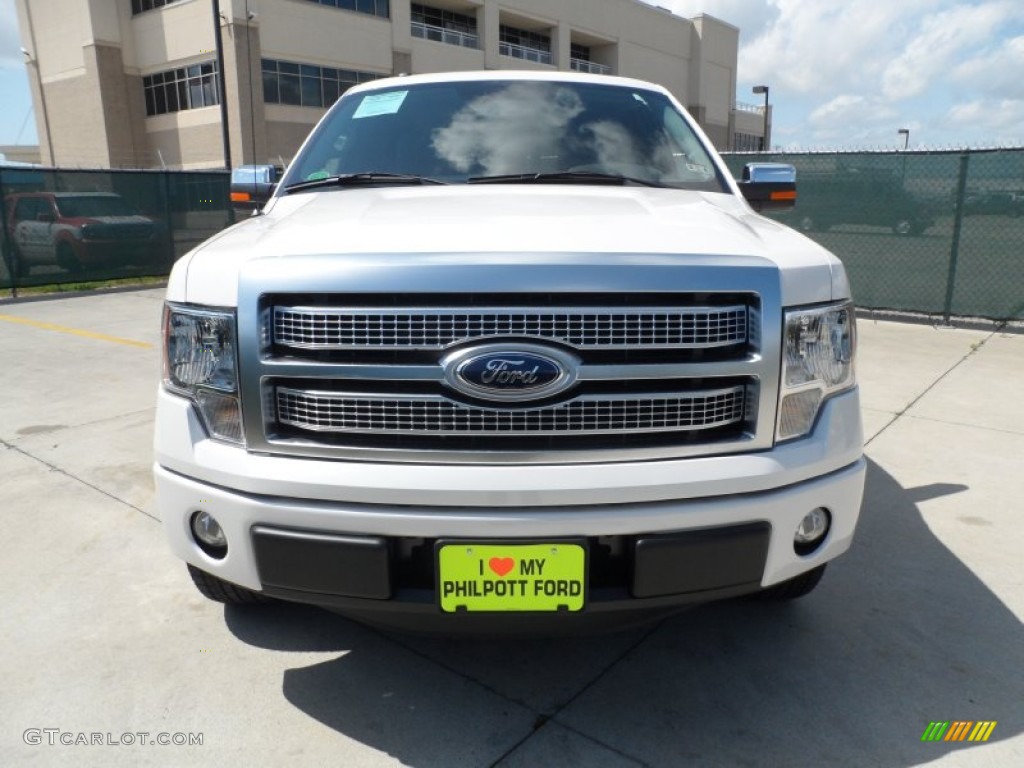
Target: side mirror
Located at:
point(769, 186)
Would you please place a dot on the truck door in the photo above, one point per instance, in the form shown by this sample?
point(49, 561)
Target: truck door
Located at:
point(31, 228)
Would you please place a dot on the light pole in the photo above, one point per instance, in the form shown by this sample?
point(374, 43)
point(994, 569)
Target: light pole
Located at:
point(33, 61)
point(905, 133)
point(764, 139)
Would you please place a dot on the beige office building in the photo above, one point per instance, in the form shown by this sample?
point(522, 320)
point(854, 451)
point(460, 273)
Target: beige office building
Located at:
point(133, 83)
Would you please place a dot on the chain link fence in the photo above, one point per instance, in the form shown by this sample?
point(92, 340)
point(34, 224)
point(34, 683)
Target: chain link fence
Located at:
point(70, 226)
point(939, 233)
point(933, 232)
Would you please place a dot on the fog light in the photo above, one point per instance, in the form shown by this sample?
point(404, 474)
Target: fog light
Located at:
point(209, 535)
point(811, 531)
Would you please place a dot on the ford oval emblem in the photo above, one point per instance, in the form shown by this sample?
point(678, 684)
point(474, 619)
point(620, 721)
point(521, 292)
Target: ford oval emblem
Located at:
point(510, 372)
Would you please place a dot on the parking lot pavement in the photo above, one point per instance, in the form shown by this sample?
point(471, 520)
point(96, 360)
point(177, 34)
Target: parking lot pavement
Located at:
point(104, 635)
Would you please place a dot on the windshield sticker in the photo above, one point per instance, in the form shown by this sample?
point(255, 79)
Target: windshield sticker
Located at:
point(317, 175)
point(380, 104)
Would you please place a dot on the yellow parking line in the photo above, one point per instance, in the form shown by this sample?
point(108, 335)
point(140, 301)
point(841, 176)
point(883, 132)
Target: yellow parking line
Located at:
point(76, 331)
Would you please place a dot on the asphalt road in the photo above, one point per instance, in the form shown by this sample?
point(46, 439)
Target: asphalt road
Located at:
point(103, 633)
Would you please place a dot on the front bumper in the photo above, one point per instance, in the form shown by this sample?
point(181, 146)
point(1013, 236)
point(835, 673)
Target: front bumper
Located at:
point(735, 513)
point(747, 539)
point(392, 581)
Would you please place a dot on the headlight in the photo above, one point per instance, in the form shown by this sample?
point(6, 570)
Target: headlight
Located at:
point(817, 363)
point(200, 363)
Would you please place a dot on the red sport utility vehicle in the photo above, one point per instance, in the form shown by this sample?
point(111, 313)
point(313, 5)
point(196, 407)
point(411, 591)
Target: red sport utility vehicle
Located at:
point(79, 230)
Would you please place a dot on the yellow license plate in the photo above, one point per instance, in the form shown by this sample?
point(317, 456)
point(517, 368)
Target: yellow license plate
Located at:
point(511, 577)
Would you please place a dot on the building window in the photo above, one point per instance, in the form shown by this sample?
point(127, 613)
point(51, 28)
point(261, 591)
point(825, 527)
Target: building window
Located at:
point(189, 87)
point(307, 85)
point(580, 61)
point(524, 44)
point(747, 142)
point(140, 6)
point(380, 8)
point(444, 26)
point(579, 51)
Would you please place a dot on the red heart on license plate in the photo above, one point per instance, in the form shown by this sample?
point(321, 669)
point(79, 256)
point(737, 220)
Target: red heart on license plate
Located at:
point(501, 565)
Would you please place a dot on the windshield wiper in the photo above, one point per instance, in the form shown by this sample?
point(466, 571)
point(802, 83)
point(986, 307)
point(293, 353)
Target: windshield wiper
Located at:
point(563, 177)
point(358, 179)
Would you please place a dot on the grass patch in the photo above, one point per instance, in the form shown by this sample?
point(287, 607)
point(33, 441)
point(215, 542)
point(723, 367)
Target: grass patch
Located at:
point(84, 286)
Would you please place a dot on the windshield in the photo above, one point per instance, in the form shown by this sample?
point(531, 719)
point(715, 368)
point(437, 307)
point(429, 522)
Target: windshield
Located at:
point(93, 205)
point(462, 131)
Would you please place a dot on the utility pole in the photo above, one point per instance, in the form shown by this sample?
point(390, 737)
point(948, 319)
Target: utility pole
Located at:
point(219, 42)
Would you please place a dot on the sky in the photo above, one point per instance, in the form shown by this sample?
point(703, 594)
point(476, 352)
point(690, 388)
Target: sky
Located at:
point(848, 74)
point(842, 74)
point(17, 121)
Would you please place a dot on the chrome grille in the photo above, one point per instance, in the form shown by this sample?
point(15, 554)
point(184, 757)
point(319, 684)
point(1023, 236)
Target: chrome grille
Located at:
point(582, 328)
point(354, 364)
point(322, 411)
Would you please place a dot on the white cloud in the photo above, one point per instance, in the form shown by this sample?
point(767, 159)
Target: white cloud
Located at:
point(840, 109)
point(850, 120)
point(825, 47)
point(850, 72)
point(998, 71)
point(1003, 119)
point(942, 37)
point(848, 109)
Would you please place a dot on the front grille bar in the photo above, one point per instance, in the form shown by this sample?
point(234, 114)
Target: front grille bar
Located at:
point(327, 328)
point(415, 415)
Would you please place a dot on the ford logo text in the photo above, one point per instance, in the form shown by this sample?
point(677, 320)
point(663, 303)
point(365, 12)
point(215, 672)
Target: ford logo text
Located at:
point(511, 373)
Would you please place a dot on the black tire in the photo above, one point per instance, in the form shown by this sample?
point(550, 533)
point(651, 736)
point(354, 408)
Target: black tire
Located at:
point(220, 591)
point(796, 587)
point(67, 260)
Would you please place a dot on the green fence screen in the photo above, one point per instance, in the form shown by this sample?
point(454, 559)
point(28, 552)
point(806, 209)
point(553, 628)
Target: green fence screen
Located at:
point(932, 232)
point(62, 226)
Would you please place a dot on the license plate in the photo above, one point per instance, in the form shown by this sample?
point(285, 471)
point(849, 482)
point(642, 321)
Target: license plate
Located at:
point(511, 577)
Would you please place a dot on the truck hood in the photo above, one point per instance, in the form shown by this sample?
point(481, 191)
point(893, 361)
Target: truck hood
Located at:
point(481, 222)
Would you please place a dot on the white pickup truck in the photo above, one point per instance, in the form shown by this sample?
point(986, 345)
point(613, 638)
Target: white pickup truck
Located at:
point(509, 351)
